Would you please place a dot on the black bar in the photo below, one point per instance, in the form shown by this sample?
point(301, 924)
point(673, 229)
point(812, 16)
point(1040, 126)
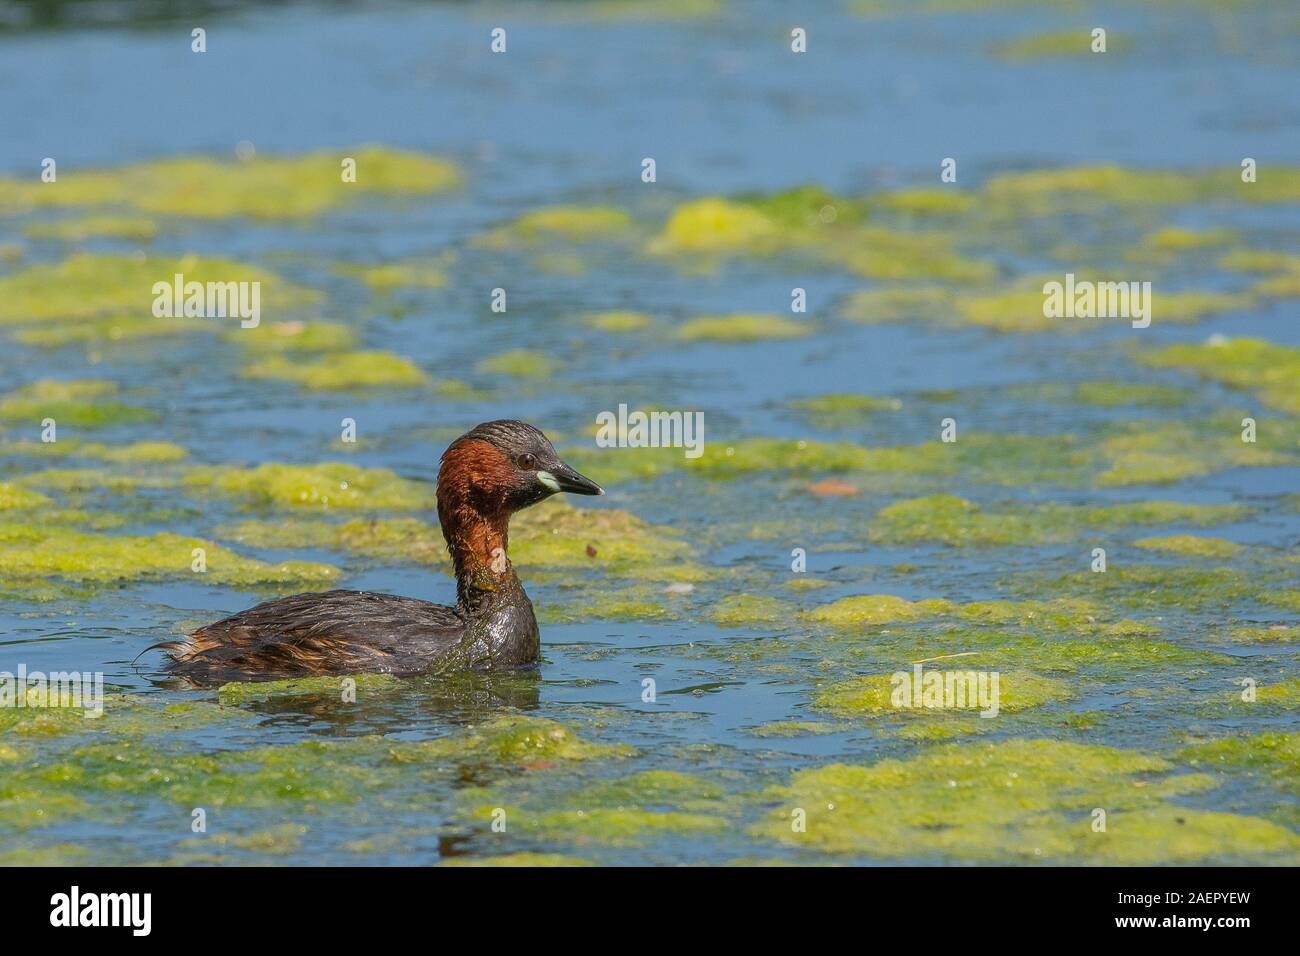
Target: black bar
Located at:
point(942, 905)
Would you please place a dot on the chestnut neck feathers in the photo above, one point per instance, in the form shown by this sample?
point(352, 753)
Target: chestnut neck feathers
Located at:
point(474, 508)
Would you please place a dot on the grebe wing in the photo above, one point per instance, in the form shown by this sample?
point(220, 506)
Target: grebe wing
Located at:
point(319, 633)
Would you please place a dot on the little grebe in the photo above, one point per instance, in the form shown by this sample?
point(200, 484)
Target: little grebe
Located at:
point(486, 475)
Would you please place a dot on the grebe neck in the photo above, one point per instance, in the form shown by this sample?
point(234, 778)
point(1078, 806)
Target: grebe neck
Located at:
point(479, 546)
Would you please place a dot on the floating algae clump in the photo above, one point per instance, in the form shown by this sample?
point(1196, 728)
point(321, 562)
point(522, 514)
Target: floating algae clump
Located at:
point(342, 371)
point(401, 540)
point(122, 715)
point(1163, 243)
point(86, 227)
point(568, 223)
point(573, 222)
point(824, 228)
point(761, 454)
point(1272, 369)
point(742, 610)
point(81, 403)
point(106, 331)
point(510, 740)
point(326, 485)
point(264, 187)
point(945, 518)
point(1086, 188)
point(1118, 394)
point(59, 854)
point(1065, 614)
point(1264, 635)
point(1283, 283)
point(741, 328)
point(957, 522)
point(1162, 586)
point(871, 609)
point(88, 286)
point(619, 320)
point(1046, 640)
point(872, 696)
point(774, 454)
point(262, 691)
point(14, 498)
point(887, 254)
point(845, 407)
point(270, 777)
point(623, 812)
point(295, 337)
point(406, 274)
point(1016, 800)
point(1260, 260)
point(143, 452)
point(796, 728)
point(1285, 694)
point(1162, 452)
point(717, 225)
point(1056, 614)
point(32, 551)
point(1179, 835)
point(520, 363)
point(602, 603)
point(1006, 459)
point(1062, 43)
point(924, 202)
point(304, 775)
point(27, 805)
point(804, 583)
point(1081, 187)
point(560, 535)
point(654, 788)
point(807, 207)
point(1275, 756)
point(1021, 309)
point(279, 840)
point(93, 520)
point(1190, 545)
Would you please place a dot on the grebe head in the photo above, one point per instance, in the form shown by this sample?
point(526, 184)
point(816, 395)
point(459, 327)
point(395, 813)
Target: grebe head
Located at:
point(503, 466)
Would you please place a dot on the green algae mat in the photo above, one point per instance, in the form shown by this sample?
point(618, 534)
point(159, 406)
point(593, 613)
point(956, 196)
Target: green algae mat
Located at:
point(910, 557)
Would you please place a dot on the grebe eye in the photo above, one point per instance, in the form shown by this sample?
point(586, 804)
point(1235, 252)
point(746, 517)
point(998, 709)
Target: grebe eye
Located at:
point(527, 461)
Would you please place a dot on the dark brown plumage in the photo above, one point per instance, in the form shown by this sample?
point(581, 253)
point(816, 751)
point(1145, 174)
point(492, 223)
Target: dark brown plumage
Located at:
point(486, 475)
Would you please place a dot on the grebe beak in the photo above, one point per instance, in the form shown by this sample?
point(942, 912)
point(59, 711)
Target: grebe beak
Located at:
point(564, 478)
